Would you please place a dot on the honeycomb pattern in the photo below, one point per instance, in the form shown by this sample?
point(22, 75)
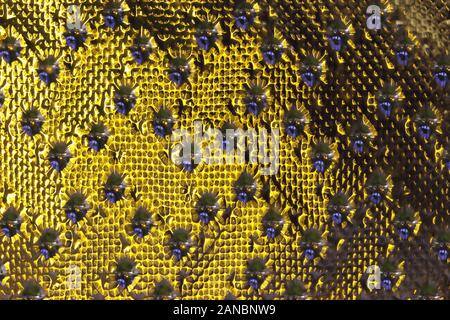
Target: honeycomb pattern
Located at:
point(216, 264)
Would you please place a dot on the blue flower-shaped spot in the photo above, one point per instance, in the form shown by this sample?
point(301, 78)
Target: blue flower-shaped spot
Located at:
point(176, 253)
point(271, 233)
point(243, 196)
point(309, 78)
point(425, 131)
point(111, 197)
point(187, 165)
point(204, 217)
point(253, 283)
point(72, 216)
point(137, 56)
point(337, 217)
point(94, 145)
point(138, 232)
point(44, 77)
point(159, 129)
point(6, 232)
point(375, 197)
point(292, 130)
point(386, 283)
point(403, 233)
point(310, 254)
point(402, 57)
point(110, 21)
point(358, 146)
point(72, 42)
point(45, 253)
point(319, 165)
point(253, 108)
point(5, 55)
point(443, 254)
point(386, 108)
point(270, 57)
point(176, 77)
point(55, 165)
point(441, 78)
point(121, 283)
point(242, 22)
point(203, 42)
point(336, 42)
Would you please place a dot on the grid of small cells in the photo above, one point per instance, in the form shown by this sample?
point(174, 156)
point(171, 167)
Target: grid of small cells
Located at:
point(216, 264)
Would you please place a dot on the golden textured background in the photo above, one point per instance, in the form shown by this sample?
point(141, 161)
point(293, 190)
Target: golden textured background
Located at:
point(83, 95)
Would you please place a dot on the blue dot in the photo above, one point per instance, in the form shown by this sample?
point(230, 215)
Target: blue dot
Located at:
point(72, 42)
point(271, 233)
point(269, 57)
point(253, 108)
point(6, 55)
point(45, 253)
point(176, 77)
point(72, 216)
point(402, 57)
point(121, 108)
point(111, 196)
point(44, 77)
point(204, 217)
point(386, 108)
point(292, 131)
point(242, 22)
point(242, 196)
point(337, 217)
point(55, 165)
point(336, 42)
point(110, 21)
point(319, 165)
point(94, 145)
point(403, 233)
point(226, 144)
point(176, 253)
point(309, 78)
point(253, 283)
point(138, 56)
point(122, 283)
point(203, 42)
point(160, 131)
point(386, 284)
point(6, 232)
point(187, 165)
point(138, 232)
point(441, 78)
point(425, 131)
point(310, 254)
point(375, 197)
point(27, 129)
point(358, 146)
point(443, 254)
